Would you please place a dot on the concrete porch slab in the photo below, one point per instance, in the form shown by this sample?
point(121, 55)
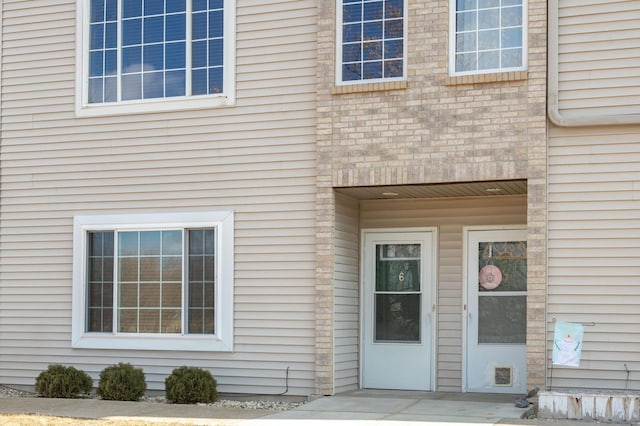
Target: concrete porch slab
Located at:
point(400, 407)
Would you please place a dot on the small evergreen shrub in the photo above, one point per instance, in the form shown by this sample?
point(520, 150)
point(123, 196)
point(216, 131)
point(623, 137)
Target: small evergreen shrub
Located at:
point(58, 381)
point(122, 382)
point(190, 385)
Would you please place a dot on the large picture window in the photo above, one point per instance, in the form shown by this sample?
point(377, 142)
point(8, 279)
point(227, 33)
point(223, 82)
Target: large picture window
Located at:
point(371, 40)
point(148, 276)
point(140, 51)
point(488, 36)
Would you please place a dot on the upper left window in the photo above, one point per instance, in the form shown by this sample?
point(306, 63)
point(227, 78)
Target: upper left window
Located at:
point(155, 54)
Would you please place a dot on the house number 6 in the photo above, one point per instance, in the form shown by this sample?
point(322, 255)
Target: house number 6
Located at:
point(401, 277)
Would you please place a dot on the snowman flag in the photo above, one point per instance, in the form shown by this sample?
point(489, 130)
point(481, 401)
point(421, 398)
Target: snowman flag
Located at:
point(567, 344)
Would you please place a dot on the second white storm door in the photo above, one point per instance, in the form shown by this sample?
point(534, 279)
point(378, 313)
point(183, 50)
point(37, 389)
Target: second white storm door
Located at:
point(398, 282)
point(496, 310)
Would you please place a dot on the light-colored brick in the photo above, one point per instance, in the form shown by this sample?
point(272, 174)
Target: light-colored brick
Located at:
point(435, 129)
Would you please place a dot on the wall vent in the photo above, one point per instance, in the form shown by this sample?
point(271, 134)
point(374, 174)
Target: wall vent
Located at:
point(502, 376)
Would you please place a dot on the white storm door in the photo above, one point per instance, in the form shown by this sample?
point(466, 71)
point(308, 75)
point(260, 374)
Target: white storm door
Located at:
point(496, 311)
point(398, 280)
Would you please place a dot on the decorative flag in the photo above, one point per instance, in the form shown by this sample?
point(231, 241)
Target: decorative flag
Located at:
point(567, 344)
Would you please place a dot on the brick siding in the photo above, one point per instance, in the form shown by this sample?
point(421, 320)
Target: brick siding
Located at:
point(433, 128)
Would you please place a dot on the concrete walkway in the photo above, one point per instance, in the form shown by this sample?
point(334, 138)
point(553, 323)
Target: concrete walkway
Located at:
point(399, 408)
point(378, 408)
point(121, 410)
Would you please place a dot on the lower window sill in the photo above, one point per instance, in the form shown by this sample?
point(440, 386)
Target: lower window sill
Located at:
point(369, 87)
point(154, 105)
point(486, 78)
point(208, 343)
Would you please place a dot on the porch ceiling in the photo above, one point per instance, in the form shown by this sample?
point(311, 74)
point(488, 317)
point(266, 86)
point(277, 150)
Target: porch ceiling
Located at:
point(445, 190)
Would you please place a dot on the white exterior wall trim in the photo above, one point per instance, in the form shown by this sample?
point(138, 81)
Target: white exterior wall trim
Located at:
point(222, 341)
point(433, 275)
point(553, 85)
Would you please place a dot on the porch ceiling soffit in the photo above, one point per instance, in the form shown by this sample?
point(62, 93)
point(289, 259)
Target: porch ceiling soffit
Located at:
point(449, 190)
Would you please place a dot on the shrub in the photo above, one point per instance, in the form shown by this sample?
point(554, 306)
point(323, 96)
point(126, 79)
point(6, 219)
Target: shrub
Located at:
point(190, 385)
point(58, 381)
point(122, 382)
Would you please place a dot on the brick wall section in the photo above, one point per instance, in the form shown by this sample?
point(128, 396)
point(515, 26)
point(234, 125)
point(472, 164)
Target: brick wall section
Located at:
point(537, 195)
point(434, 129)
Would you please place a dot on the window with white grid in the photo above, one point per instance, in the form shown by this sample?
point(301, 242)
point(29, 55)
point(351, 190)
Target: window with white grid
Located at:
point(167, 278)
point(371, 40)
point(141, 52)
point(488, 36)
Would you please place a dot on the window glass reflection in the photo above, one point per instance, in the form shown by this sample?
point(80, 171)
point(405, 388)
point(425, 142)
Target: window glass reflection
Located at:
point(489, 60)
point(151, 62)
point(496, 29)
point(372, 31)
point(393, 49)
point(397, 318)
point(502, 319)
point(352, 32)
point(373, 10)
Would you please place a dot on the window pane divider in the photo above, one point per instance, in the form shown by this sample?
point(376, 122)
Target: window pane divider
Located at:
point(139, 265)
point(116, 270)
point(502, 293)
point(119, 50)
point(184, 294)
point(188, 49)
point(391, 259)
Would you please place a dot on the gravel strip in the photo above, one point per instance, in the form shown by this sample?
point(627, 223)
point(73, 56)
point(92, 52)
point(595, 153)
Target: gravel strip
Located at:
point(229, 403)
point(8, 392)
point(257, 404)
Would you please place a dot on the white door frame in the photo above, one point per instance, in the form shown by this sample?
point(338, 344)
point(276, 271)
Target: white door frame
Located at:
point(432, 276)
point(465, 301)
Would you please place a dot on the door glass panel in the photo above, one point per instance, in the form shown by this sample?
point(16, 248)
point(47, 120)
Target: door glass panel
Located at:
point(398, 267)
point(502, 319)
point(502, 266)
point(397, 317)
point(397, 293)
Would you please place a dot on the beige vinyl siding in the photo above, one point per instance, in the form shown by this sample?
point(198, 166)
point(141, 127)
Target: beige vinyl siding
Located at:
point(599, 46)
point(594, 251)
point(450, 216)
point(257, 158)
point(347, 295)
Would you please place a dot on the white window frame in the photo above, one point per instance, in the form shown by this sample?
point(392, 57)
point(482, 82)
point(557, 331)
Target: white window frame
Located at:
point(222, 340)
point(338, 59)
point(86, 109)
point(452, 43)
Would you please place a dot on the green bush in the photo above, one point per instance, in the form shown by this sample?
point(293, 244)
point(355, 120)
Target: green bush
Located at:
point(58, 381)
point(190, 385)
point(122, 382)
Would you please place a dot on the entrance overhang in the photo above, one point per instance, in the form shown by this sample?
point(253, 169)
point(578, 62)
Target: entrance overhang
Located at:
point(439, 190)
